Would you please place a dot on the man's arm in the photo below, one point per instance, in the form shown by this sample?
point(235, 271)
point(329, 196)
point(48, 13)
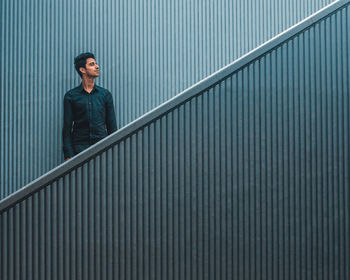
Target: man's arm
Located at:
point(111, 122)
point(67, 128)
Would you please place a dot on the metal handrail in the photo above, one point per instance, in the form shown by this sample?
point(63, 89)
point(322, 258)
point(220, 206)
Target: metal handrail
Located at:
point(182, 97)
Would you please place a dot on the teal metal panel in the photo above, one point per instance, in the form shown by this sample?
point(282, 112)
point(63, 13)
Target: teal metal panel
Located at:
point(243, 176)
point(148, 52)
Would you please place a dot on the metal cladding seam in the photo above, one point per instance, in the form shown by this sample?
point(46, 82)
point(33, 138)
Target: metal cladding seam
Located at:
point(148, 52)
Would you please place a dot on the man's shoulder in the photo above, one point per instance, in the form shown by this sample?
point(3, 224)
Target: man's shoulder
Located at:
point(72, 91)
point(101, 89)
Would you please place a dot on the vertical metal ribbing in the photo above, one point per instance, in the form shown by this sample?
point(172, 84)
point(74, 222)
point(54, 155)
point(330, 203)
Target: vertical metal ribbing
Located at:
point(148, 52)
point(246, 180)
point(346, 87)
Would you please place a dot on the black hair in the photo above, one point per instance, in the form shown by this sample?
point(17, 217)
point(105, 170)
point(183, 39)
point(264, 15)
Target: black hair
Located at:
point(80, 61)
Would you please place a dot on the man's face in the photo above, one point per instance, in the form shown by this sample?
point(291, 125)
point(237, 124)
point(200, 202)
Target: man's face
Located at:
point(91, 69)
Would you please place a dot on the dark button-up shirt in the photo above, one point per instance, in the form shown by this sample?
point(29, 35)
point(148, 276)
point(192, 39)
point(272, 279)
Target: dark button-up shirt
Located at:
point(88, 117)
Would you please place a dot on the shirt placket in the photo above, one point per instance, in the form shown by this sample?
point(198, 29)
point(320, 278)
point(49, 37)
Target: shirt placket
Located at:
point(90, 116)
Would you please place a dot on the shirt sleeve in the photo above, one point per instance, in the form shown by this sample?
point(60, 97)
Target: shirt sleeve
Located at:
point(67, 128)
point(111, 122)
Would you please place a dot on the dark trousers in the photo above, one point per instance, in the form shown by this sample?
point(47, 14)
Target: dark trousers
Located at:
point(78, 148)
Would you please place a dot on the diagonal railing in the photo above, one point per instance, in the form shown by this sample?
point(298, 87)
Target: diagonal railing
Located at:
point(242, 176)
point(182, 97)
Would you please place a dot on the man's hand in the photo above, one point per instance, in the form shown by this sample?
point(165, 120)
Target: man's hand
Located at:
point(67, 159)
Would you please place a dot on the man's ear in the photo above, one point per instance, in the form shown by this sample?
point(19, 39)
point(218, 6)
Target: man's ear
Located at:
point(82, 70)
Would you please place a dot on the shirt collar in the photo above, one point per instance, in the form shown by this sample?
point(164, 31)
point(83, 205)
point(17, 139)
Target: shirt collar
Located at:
point(81, 88)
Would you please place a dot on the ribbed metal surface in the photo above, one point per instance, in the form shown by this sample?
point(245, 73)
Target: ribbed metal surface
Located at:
point(148, 51)
point(247, 180)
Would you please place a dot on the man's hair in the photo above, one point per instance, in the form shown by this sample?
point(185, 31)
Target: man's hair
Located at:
point(80, 61)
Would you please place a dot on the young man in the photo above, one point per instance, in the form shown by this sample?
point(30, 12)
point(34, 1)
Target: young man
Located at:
point(88, 109)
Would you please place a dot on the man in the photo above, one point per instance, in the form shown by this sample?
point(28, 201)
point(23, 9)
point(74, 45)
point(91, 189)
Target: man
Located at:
point(88, 109)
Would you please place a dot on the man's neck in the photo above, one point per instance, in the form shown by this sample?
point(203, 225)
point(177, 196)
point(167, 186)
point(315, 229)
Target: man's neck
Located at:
point(88, 84)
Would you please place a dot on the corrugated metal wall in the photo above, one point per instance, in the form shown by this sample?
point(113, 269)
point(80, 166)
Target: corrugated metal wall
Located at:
point(148, 52)
point(247, 180)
